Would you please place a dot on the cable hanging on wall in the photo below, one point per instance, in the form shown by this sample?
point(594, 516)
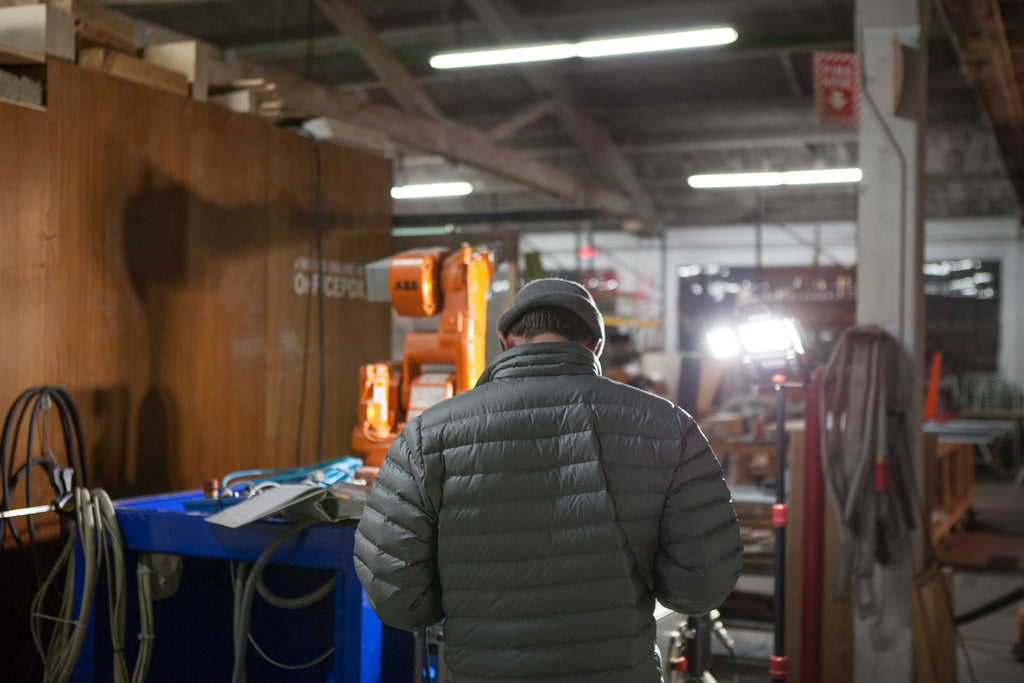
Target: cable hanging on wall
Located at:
point(99, 538)
point(321, 341)
point(31, 411)
point(59, 637)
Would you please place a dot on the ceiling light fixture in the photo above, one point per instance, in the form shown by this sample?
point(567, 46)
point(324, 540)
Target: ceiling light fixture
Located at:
point(423, 230)
point(774, 178)
point(604, 47)
point(426, 190)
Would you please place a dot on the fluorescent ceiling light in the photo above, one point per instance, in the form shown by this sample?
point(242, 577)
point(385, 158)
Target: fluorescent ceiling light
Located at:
point(423, 230)
point(605, 47)
point(456, 189)
point(773, 178)
point(834, 175)
point(679, 40)
point(735, 180)
point(511, 55)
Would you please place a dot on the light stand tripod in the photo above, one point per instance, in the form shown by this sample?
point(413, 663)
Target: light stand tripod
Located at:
point(689, 653)
point(770, 345)
point(777, 667)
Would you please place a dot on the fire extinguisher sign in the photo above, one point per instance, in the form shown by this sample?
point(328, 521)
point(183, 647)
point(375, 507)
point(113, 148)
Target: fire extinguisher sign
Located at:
point(837, 87)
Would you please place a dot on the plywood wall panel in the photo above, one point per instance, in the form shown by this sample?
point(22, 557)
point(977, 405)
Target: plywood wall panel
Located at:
point(169, 231)
point(24, 233)
point(351, 185)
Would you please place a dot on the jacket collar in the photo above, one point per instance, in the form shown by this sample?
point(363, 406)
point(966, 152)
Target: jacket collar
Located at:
point(542, 359)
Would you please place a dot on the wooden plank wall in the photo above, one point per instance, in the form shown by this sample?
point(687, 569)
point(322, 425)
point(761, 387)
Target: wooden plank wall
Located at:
point(156, 262)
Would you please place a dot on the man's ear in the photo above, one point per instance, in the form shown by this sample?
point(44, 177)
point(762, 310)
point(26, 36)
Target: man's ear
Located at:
point(506, 342)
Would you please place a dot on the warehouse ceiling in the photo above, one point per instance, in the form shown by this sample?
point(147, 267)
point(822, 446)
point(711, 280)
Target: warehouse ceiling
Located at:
point(621, 134)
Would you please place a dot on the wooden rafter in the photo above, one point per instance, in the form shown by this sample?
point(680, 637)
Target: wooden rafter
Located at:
point(979, 30)
point(593, 139)
point(521, 119)
point(379, 57)
point(444, 137)
point(786, 61)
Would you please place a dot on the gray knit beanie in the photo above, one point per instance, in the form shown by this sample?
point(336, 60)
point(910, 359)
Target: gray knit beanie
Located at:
point(556, 292)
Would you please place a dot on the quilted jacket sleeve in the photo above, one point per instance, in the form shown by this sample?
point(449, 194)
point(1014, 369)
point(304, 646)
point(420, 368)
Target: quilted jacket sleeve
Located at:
point(700, 552)
point(396, 542)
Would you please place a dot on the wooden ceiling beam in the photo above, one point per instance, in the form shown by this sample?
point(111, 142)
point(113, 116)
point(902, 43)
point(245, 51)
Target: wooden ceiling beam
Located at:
point(378, 56)
point(788, 68)
point(444, 137)
point(593, 139)
point(984, 46)
point(522, 118)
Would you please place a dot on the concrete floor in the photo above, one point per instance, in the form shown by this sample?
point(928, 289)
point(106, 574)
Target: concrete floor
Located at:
point(987, 641)
point(998, 509)
point(984, 653)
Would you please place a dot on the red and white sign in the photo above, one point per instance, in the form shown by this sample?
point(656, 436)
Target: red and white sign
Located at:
point(837, 87)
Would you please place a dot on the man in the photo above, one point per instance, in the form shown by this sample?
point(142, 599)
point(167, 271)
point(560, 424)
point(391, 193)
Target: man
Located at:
point(541, 513)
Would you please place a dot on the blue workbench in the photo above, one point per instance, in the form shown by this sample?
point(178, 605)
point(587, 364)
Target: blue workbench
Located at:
point(161, 524)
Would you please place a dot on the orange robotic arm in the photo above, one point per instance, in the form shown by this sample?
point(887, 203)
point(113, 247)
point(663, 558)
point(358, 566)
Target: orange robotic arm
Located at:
point(425, 282)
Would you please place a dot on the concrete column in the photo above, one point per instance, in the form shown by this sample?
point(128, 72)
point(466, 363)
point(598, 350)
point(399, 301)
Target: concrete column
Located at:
point(890, 245)
point(1011, 350)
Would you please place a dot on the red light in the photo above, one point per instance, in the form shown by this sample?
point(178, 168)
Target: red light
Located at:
point(778, 379)
point(586, 252)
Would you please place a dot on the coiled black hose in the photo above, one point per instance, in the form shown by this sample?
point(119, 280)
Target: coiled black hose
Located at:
point(31, 406)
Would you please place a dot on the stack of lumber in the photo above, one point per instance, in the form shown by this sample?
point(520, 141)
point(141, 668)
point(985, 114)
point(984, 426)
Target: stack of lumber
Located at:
point(97, 38)
point(249, 96)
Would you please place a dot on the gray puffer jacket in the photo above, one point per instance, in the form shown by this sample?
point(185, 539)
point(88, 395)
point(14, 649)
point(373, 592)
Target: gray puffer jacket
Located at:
point(540, 514)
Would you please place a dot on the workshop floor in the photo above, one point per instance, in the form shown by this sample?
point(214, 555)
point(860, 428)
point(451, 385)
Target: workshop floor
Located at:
point(987, 640)
point(984, 654)
point(998, 510)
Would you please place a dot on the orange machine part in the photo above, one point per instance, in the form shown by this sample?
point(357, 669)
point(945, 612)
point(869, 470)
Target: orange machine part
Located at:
point(421, 283)
point(378, 411)
point(375, 410)
point(461, 336)
point(413, 279)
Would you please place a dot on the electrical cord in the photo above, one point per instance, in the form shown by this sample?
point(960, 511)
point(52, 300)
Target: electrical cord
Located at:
point(845, 413)
point(35, 404)
point(318, 217)
point(245, 585)
point(102, 549)
point(323, 474)
point(299, 602)
point(290, 667)
point(97, 532)
point(1012, 597)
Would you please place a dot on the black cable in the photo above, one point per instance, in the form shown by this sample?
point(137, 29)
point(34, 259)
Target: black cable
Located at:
point(989, 607)
point(243, 601)
point(30, 522)
point(310, 9)
point(318, 221)
point(33, 402)
point(69, 414)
